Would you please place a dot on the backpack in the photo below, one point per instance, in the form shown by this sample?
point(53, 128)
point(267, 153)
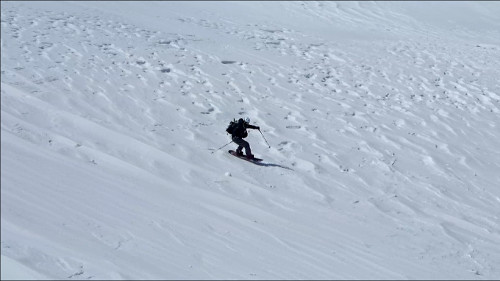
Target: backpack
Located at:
point(232, 125)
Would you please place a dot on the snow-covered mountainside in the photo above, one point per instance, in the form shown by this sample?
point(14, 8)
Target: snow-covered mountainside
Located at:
point(382, 119)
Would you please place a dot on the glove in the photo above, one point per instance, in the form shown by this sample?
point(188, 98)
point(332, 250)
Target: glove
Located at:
point(258, 128)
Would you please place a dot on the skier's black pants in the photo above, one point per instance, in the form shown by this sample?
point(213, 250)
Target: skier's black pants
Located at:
point(242, 144)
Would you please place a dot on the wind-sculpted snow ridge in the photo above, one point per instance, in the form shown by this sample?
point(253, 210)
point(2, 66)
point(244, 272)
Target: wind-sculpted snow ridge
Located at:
point(382, 121)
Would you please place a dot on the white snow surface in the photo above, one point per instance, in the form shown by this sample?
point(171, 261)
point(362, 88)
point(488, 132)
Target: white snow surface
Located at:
point(382, 119)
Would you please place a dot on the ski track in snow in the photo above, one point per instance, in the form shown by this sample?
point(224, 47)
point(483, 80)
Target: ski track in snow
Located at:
point(373, 143)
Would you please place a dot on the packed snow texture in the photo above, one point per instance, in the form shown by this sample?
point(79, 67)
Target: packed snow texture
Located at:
point(382, 117)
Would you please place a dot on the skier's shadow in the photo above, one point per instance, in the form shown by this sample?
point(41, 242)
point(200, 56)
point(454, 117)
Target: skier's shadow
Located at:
point(272, 165)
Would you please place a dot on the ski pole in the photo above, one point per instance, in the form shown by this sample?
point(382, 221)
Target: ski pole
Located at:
point(222, 147)
point(264, 138)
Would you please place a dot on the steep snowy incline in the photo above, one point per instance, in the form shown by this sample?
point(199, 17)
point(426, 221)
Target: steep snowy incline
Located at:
point(382, 118)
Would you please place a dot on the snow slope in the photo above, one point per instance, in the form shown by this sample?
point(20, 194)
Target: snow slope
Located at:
point(382, 117)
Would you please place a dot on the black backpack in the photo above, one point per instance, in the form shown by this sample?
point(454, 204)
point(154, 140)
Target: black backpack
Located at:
point(232, 125)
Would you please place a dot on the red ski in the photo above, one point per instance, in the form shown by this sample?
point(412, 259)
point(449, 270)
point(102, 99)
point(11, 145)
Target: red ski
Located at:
point(254, 160)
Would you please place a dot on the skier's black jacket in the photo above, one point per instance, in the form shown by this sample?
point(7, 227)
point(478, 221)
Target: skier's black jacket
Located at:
point(240, 131)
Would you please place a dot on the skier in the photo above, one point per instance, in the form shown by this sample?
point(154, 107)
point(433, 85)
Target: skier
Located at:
point(238, 133)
